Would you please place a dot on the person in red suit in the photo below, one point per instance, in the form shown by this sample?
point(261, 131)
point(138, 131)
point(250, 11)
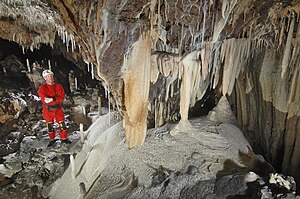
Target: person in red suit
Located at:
point(52, 95)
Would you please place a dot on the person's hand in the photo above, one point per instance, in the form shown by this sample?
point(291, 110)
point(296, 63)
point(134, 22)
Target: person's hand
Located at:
point(48, 100)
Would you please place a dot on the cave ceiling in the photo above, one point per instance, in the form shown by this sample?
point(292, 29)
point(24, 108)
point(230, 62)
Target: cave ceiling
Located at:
point(161, 56)
point(102, 32)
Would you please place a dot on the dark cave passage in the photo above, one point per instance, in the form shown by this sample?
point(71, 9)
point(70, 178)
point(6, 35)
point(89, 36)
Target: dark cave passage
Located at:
point(15, 75)
point(43, 56)
point(203, 106)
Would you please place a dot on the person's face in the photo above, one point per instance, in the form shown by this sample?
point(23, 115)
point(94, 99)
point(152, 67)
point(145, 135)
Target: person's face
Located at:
point(49, 79)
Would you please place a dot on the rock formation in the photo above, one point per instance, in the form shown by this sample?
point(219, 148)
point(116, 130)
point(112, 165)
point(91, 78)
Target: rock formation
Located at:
point(157, 58)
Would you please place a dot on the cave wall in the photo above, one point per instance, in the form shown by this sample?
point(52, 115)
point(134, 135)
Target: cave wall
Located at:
point(267, 108)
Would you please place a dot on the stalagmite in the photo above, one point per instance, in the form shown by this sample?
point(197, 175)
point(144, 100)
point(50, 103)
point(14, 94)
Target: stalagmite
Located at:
point(81, 133)
point(107, 94)
point(136, 91)
point(83, 110)
point(82, 190)
point(76, 87)
point(72, 82)
point(72, 163)
point(99, 106)
point(159, 114)
point(28, 65)
point(4, 70)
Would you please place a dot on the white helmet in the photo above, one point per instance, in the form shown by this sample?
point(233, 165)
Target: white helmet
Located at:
point(47, 72)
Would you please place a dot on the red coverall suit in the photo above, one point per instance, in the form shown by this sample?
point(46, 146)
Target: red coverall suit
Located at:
point(53, 109)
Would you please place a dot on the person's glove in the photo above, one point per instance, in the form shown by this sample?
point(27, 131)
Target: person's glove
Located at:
point(48, 100)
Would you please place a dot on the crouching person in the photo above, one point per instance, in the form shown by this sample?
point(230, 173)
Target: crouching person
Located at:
point(52, 94)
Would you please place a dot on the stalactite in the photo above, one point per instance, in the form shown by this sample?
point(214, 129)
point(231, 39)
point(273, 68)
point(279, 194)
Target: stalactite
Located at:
point(282, 31)
point(167, 65)
point(241, 52)
point(294, 86)
point(89, 13)
point(205, 61)
point(225, 48)
point(159, 117)
point(205, 7)
point(297, 37)
point(166, 9)
point(169, 81)
point(191, 74)
point(249, 83)
point(108, 97)
point(154, 69)
point(228, 66)
point(295, 57)
point(287, 50)
point(172, 90)
point(216, 67)
point(294, 93)
point(136, 91)
point(192, 88)
point(73, 46)
point(234, 54)
point(227, 7)
point(289, 20)
point(32, 18)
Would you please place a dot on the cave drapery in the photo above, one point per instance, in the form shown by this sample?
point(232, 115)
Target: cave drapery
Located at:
point(158, 58)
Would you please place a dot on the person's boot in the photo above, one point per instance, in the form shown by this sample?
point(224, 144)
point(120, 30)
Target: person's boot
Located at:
point(66, 141)
point(51, 143)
